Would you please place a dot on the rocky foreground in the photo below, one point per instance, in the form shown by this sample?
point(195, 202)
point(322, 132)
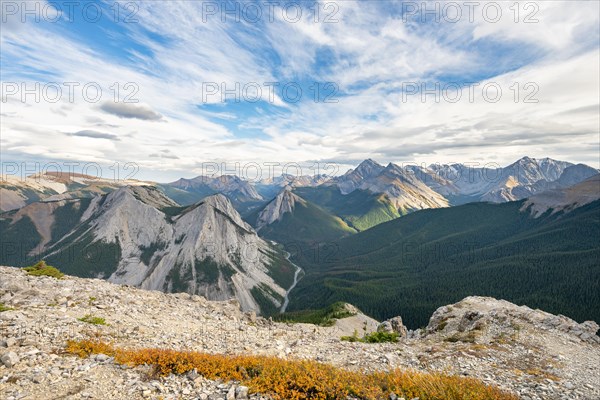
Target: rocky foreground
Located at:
point(529, 352)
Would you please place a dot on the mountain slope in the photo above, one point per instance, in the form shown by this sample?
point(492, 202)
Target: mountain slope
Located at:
point(274, 211)
point(51, 186)
point(138, 236)
point(403, 189)
point(16, 193)
point(565, 199)
point(242, 193)
point(360, 209)
point(505, 345)
point(525, 177)
point(414, 264)
point(290, 219)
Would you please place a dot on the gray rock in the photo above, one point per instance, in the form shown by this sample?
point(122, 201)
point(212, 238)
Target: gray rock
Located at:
point(393, 325)
point(590, 327)
point(231, 393)
point(193, 375)
point(385, 326)
point(241, 392)
point(10, 359)
point(251, 316)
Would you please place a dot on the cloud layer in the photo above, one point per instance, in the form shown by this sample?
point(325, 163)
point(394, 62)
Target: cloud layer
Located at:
point(376, 79)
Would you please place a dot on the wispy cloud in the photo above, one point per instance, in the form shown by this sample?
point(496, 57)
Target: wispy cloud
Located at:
point(369, 53)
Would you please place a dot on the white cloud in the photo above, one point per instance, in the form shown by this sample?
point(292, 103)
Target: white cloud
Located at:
point(368, 53)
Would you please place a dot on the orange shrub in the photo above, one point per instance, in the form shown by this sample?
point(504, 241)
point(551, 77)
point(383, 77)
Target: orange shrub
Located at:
point(295, 379)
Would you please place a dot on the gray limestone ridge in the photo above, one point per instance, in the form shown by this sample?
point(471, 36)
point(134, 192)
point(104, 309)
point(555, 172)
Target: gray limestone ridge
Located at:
point(534, 354)
point(565, 199)
point(204, 249)
point(404, 188)
point(408, 187)
point(285, 202)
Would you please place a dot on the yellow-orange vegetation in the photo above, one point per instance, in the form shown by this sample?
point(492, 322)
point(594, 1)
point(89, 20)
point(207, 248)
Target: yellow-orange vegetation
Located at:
point(298, 379)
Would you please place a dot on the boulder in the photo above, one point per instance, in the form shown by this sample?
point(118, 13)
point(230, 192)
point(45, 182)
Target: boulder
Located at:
point(393, 325)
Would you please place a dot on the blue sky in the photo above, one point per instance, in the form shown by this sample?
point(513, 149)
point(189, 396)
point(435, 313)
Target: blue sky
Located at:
point(310, 86)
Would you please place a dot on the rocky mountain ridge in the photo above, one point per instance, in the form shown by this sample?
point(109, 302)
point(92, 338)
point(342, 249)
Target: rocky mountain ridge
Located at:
point(565, 199)
point(521, 179)
point(411, 187)
point(284, 202)
point(230, 185)
point(140, 237)
point(51, 186)
point(531, 353)
point(405, 191)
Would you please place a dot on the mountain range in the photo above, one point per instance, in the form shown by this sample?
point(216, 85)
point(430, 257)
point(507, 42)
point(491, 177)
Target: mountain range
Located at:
point(542, 251)
point(399, 189)
point(49, 186)
point(136, 235)
point(526, 232)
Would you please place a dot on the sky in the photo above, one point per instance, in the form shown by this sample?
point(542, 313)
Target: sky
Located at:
point(165, 89)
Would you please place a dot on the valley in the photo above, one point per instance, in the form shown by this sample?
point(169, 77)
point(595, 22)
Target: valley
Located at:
point(389, 239)
point(286, 300)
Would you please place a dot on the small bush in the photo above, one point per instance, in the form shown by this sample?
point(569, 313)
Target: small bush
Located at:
point(380, 337)
point(353, 338)
point(322, 317)
point(4, 308)
point(90, 319)
point(42, 269)
point(298, 379)
point(465, 338)
point(452, 339)
point(374, 337)
point(441, 326)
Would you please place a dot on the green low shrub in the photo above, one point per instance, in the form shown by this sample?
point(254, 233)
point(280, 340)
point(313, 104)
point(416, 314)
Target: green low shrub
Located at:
point(374, 337)
point(90, 319)
point(43, 269)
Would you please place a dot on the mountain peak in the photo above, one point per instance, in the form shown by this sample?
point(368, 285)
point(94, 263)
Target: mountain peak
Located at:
point(221, 203)
point(149, 195)
point(368, 168)
point(216, 200)
point(285, 202)
point(526, 160)
point(392, 166)
point(369, 163)
point(231, 185)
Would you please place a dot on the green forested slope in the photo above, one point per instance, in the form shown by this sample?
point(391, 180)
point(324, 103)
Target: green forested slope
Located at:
point(307, 223)
point(360, 209)
point(414, 264)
